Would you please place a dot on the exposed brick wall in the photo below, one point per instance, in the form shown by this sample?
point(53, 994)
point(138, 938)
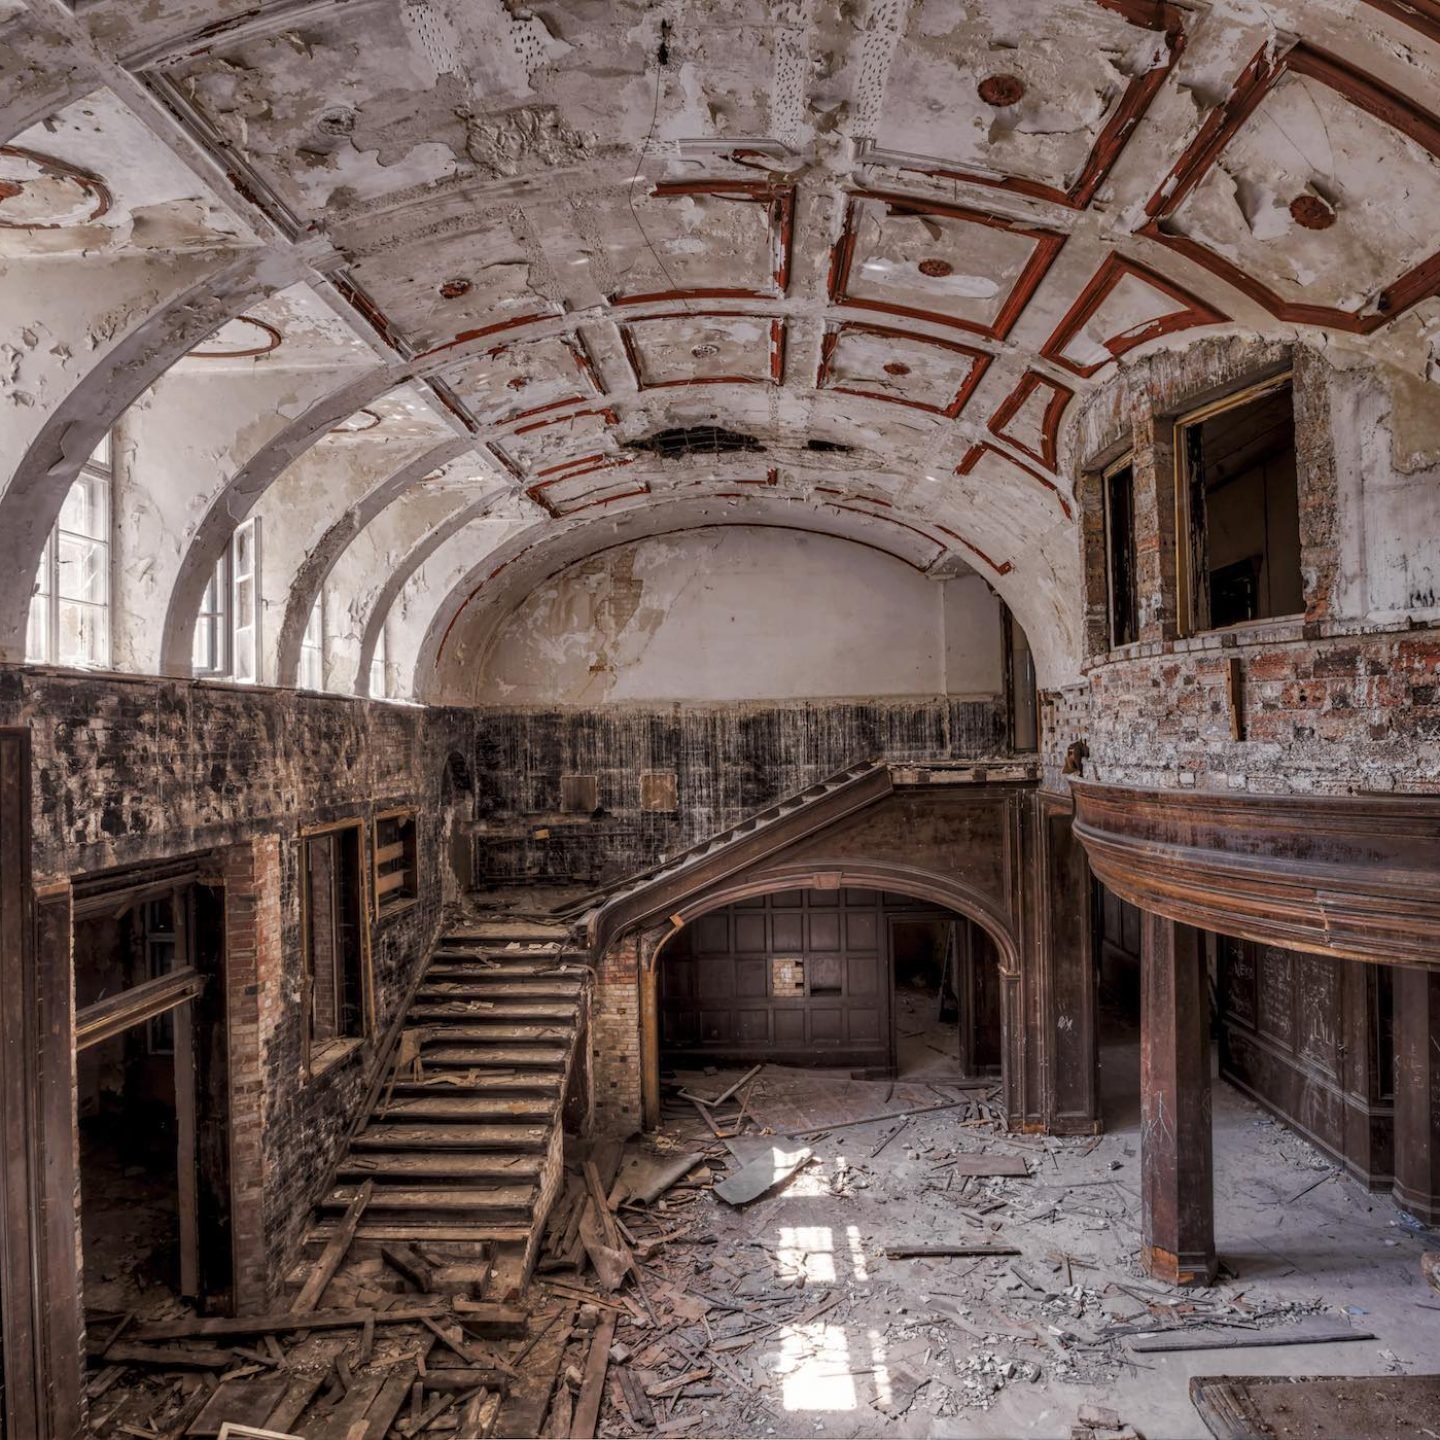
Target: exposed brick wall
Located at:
point(729, 761)
point(129, 770)
point(1329, 701)
point(615, 1040)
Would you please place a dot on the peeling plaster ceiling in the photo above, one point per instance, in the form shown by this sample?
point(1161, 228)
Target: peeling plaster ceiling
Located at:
point(917, 232)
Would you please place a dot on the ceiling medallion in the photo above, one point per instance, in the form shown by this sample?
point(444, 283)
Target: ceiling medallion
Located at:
point(454, 289)
point(1312, 212)
point(1001, 90)
point(936, 269)
point(705, 351)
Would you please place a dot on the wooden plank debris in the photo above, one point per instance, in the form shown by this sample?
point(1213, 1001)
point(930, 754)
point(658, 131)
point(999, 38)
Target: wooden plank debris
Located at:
point(334, 1252)
point(220, 1326)
point(592, 1390)
point(1320, 1332)
point(915, 1252)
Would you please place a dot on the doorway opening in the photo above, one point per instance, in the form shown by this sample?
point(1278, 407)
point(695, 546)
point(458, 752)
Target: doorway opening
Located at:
point(337, 941)
point(874, 981)
point(946, 976)
point(151, 1112)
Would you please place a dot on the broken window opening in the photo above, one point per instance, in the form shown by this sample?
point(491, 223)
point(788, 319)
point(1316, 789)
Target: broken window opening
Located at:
point(397, 873)
point(337, 940)
point(1022, 697)
point(579, 794)
point(1122, 597)
point(1238, 510)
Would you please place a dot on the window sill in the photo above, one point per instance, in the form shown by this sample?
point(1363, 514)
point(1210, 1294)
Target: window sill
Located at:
point(330, 1053)
point(400, 907)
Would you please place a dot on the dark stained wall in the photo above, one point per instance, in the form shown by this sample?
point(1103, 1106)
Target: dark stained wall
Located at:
point(134, 770)
point(727, 761)
point(1311, 1038)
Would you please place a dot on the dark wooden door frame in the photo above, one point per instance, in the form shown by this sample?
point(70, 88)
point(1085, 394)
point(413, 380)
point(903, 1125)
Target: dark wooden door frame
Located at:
point(910, 917)
point(40, 1306)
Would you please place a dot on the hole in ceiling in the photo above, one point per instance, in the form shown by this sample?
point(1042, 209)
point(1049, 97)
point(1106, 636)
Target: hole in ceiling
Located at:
point(936, 269)
point(1312, 212)
point(696, 440)
point(896, 367)
point(1001, 90)
point(829, 447)
point(454, 289)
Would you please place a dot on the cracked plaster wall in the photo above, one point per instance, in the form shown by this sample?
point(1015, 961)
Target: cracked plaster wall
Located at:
point(743, 613)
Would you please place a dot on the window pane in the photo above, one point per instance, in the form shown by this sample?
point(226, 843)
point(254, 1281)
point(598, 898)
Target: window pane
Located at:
point(101, 454)
point(84, 637)
point(37, 631)
point(244, 551)
point(84, 570)
point(245, 655)
point(86, 510)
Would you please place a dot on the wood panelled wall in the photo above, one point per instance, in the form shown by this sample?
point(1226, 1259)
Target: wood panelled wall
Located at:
point(1312, 1039)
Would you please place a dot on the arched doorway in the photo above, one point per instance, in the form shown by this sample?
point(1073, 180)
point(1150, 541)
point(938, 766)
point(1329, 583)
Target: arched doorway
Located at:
point(801, 973)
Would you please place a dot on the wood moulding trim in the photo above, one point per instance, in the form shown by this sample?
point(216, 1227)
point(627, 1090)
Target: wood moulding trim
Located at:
point(1352, 876)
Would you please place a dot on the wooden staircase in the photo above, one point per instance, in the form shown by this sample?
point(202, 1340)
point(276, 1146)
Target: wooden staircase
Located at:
point(464, 1144)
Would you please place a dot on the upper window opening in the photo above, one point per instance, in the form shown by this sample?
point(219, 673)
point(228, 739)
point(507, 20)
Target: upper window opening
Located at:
point(1238, 510)
point(210, 652)
point(380, 668)
point(70, 609)
point(1024, 707)
point(336, 938)
point(245, 601)
point(397, 872)
point(1122, 593)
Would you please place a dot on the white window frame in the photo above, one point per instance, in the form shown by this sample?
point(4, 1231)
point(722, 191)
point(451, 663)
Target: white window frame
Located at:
point(313, 647)
point(246, 609)
point(380, 668)
point(210, 648)
point(47, 601)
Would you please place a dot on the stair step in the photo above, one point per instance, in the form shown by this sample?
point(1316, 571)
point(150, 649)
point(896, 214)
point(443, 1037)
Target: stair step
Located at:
point(440, 1230)
point(540, 1082)
point(503, 1203)
point(393, 1136)
point(409, 1167)
point(501, 932)
point(478, 987)
point(505, 1009)
point(443, 968)
point(539, 1056)
point(479, 1109)
point(502, 1030)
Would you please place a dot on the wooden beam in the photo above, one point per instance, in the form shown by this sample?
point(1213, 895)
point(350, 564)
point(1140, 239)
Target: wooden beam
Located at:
point(592, 1388)
point(117, 1012)
point(334, 1253)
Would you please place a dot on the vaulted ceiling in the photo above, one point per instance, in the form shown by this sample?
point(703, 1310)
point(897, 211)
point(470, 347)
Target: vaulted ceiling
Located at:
point(456, 292)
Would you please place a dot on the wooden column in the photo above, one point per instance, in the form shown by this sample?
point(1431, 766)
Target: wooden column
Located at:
point(1417, 1092)
point(1177, 1231)
point(39, 1272)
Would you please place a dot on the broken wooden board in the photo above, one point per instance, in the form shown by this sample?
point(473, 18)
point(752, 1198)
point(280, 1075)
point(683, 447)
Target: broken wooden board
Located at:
point(916, 1252)
point(1204, 1337)
point(761, 1176)
point(524, 1410)
point(194, 1327)
point(592, 1390)
point(903, 1389)
point(334, 1252)
point(1286, 1407)
point(986, 1166)
point(250, 1401)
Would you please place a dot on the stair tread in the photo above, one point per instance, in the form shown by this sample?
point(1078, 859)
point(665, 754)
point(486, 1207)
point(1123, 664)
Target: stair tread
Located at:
point(478, 1030)
point(489, 986)
point(500, 1197)
point(516, 1234)
point(510, 1009)
point(467, 1107)
point(387, 1136)
point(551, 1058)
point(495, 1083)
point(411, 1165)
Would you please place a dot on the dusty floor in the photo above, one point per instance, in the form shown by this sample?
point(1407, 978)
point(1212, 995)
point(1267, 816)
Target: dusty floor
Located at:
point(999, 1357)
